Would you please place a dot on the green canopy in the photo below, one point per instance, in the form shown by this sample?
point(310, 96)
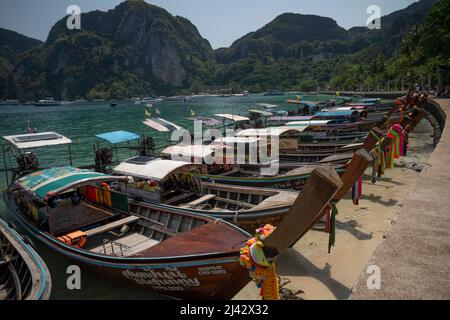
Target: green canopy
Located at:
point(57, 180)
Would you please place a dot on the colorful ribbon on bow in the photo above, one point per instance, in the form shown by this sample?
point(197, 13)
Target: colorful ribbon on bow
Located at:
point(262, 271)
point(330, 225)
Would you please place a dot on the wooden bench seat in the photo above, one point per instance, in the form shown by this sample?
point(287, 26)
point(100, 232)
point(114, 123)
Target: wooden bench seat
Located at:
point(110, 226)
point(179, 198)
point(201, 200)
point(127, 246)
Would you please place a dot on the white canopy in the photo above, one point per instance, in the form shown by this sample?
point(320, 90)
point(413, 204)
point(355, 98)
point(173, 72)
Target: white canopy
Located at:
point(197, 151)
point(267, 105)
point(238, 139)
point(232, 117)
point(267, 132)
point(36, 140)
point(157, 169)
point(306, 124)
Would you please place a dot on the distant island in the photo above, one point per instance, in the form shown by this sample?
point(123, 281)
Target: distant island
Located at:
point(138, 49)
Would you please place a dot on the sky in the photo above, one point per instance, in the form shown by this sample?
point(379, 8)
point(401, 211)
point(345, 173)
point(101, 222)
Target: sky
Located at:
point(219, 21)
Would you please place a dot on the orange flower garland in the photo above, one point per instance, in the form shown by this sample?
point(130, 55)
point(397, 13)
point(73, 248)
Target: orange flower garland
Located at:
point(261, 270)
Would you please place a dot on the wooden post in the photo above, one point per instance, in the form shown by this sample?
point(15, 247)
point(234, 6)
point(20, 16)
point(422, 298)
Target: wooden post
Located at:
point(309, 205)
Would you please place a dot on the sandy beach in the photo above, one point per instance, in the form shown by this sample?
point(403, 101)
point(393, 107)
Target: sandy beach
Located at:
point(359, 230)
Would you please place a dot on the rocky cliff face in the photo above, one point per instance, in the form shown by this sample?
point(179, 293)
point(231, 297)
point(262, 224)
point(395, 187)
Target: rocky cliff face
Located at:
point(12, 46)
point(136, 48)
point(285, 31)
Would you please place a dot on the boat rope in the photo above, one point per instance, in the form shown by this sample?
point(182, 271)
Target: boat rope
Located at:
point(261, 270)
point(330, 226)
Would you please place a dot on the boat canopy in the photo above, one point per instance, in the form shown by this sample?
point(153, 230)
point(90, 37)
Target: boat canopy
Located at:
point(118, 136)
point(237, 139)
point(291, 118)
point(161, 125)
point(306, 124)
point(154, 169)
point(333, 114)
point(232, 117)
point(360, 104)
point(58, 180)
point(261, 112)
point(267, 105)
point(269, 132)
point(36, 140)
point(308, 104)
point(370, 100)
point(197, 151)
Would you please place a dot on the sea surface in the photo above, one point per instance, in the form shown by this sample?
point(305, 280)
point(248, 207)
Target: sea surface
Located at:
point(81, 123)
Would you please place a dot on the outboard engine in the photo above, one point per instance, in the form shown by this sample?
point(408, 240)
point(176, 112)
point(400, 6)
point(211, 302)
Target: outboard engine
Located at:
point(147, 146)
point(103, 158)
point(27, 162)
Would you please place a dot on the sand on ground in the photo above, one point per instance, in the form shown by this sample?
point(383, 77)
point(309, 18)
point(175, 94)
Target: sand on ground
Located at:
point(359, 230)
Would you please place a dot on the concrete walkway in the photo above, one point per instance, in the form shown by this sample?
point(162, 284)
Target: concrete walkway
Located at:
point(414, 257)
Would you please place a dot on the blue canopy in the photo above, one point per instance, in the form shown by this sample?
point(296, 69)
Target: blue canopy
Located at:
point(118, 136)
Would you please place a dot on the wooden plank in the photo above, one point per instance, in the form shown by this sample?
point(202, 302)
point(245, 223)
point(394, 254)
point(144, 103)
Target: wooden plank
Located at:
point(201, 200)
point(239, 203)
point(111, 226)
point(309, 205)
point(179, 198)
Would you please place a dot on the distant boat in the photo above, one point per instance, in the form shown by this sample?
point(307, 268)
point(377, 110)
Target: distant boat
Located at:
point(29, 103)
point(274, 93)
point(113, 104)
point(49, 102)
point(10, 103)
point(148, 100)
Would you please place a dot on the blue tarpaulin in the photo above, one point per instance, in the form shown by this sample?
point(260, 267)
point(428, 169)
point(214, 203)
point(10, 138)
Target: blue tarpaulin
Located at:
point(118, 136)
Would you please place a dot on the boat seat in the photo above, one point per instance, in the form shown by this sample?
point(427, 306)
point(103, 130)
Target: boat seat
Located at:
point(110, 226)
point(126, 246)
point(201, 200)
point(179, 198)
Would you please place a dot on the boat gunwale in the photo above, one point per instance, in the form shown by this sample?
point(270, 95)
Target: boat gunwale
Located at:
point(44, 276)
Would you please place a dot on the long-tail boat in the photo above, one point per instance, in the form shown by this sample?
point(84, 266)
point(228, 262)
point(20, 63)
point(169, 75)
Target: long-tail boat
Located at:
point(169, 250)
point(23, 273)
point(290, 177)
point(167, 183)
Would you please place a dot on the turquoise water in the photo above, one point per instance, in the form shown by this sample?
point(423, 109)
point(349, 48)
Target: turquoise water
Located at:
point(81, 123)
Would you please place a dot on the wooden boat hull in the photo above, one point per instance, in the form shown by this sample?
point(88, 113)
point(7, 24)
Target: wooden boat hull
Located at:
point(23, 273)
point(285, 182)
point(247, 220)
point(208, 276)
